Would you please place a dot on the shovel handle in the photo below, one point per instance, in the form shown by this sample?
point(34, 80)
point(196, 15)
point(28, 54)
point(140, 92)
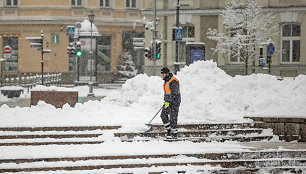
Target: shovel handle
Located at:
point(155, 115)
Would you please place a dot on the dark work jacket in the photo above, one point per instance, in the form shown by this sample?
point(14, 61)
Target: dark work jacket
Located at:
point(174, 96)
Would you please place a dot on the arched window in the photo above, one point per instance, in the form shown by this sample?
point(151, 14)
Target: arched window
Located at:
point(291, 41)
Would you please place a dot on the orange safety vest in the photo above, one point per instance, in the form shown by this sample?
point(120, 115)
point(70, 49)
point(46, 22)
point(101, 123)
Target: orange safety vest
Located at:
point(167, 87)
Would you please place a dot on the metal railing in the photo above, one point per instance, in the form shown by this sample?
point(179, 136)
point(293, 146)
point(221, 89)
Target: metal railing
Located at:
point(32, 80)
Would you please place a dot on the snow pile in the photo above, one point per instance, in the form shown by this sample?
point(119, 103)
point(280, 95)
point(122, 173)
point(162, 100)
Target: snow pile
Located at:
point(208, 95)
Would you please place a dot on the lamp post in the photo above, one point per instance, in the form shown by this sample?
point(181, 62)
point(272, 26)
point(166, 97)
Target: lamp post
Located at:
point(42, 57)
point(176, 66)
point(91, 17)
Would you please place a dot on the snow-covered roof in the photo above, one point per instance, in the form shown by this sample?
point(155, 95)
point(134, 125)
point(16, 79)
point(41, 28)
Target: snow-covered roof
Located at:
point(85, 29)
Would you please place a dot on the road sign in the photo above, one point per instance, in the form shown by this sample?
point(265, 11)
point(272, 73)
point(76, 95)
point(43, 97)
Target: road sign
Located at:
point(46, 51)
point(34, 39)
point(262, 62)
point(78, 25)
point(70, 31)
point(178, 34)
point(271, 48)
point(138, 43)
point(7, 50)
point(6, 56)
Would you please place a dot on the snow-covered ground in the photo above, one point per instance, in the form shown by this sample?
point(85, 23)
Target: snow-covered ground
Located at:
point(208, 95)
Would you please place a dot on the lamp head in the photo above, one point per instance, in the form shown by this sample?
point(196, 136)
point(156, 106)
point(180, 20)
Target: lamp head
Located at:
point(91, 16)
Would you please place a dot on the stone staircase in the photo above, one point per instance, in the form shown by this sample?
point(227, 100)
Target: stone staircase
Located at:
point(250, 160)
point(115, 85)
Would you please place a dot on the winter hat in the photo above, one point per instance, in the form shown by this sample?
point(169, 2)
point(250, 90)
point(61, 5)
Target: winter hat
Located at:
point(164, 70)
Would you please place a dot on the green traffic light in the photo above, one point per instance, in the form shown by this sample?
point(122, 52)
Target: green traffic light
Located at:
point(78, 53)
point(158, 56)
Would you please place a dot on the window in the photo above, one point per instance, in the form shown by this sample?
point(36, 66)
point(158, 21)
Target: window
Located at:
point(188, 31)
point(105, 3)
point(77, 3)
point(11, 3)
point(236, 56)
point(104, 54)
point(237, 51)
point(11, 64)
point(131, 3)
point(291, 43)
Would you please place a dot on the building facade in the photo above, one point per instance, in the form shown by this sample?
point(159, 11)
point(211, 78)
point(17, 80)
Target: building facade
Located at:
point(197, 16)
point(28, 18)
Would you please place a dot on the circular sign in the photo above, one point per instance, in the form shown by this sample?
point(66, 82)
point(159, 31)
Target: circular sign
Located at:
point(7, 50)
point(78, 25)
point(271, 48)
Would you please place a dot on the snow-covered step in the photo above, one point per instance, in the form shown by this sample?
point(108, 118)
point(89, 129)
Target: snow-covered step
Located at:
point(68, 128)
point(259, 170)
point(183, 170)
point(48, 136)
point(267, 154)
point(195, 133)
point(62, 142)
point(147, 162)
point(203, 139)
point(207, 126)
point(33, 136)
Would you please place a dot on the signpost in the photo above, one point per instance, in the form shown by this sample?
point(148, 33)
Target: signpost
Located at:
point(38, 43)
point(1, 75)
point(7, 52)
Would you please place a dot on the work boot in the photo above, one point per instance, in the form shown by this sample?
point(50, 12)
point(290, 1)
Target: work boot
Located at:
point(174, 133)
point(168, 134)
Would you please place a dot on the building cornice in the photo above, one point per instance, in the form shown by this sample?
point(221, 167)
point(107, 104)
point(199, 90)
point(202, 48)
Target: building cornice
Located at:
point(63, 21)
point(218, 11)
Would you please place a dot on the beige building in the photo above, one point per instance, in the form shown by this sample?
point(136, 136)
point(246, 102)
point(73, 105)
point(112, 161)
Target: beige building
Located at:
point(197, 16)
point(27, 18)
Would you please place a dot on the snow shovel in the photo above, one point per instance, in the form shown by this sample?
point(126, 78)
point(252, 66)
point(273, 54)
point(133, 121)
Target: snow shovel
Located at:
point(149, 124)
point(155, 116)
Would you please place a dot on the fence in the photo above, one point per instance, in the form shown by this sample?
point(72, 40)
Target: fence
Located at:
point(32, 80)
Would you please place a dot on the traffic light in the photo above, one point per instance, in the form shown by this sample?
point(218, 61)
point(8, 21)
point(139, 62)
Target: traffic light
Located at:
point(78, 49)
point(148, 53)
point(158, 49)
point(71, 49)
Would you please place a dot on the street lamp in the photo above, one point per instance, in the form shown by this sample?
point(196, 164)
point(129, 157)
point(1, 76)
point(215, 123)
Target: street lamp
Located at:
point(91, 17)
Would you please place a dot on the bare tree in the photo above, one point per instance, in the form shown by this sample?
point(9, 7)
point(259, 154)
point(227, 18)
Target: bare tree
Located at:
point(246, 27)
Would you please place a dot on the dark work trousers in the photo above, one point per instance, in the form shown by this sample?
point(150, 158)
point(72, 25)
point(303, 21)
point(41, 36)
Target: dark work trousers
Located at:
point(172, 111)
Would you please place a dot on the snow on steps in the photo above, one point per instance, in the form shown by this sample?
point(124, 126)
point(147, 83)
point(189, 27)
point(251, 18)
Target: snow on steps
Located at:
point(22, 136)
point(242, 132)
point(33, 136)
point(215, 162)
point(265, 161)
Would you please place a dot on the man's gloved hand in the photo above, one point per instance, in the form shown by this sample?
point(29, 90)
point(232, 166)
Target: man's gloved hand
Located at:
point(166, 105)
